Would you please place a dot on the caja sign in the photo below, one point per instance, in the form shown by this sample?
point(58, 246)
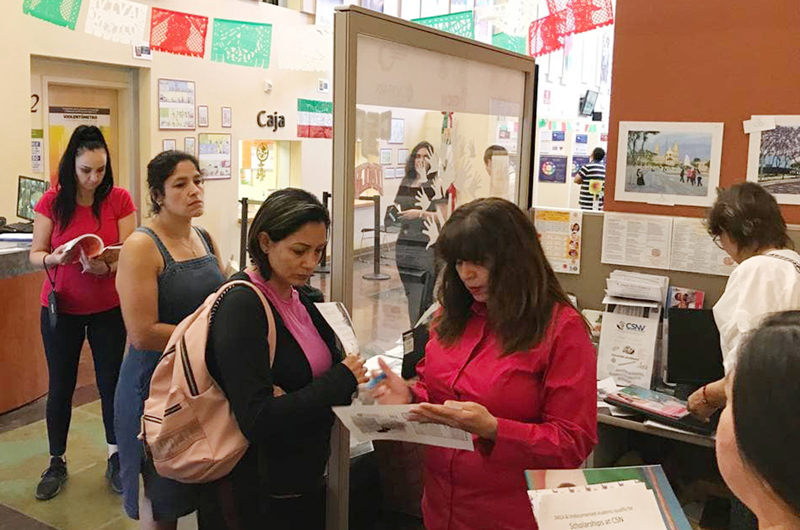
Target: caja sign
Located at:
point(272, 121)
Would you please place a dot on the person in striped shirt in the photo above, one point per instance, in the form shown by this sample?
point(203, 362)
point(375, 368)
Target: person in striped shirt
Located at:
point(590, 199)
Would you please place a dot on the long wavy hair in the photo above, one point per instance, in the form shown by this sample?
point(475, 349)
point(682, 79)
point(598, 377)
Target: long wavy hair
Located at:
point(523, 289)
point(85, 138)
point(411, 171)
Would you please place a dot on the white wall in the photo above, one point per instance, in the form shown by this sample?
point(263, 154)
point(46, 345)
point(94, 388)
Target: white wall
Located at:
point(559, 91)
point(217, 84)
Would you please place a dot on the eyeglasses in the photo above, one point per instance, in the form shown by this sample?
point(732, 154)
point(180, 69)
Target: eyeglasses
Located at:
point(718, 241)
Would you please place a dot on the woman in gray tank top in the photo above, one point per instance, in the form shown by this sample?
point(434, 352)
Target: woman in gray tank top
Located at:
point(165, 272)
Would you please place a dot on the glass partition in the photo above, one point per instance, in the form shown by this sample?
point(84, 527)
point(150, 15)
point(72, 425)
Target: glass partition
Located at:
point(424, 121)
point(432, 132)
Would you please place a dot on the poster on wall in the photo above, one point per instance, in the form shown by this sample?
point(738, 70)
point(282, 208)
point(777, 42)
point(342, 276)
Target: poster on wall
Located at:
point(636, 240)
point(215, 155)
point(560, 235)
point(62, 121)
point(577, 163)
point(774, 157)
point(669, 163)
point(552, 168)
point(37, 151)
point(175, 104)
point(581, 145)
point(693, 250)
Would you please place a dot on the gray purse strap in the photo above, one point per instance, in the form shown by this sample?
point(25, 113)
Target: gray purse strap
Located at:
point(786, 259)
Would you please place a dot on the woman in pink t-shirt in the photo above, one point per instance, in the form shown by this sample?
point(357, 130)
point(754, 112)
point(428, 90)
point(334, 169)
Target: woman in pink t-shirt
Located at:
point(85, 201)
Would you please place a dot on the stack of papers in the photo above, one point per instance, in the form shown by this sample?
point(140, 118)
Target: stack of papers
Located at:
point(622, 284)
point(625, 498)
point(623, 505)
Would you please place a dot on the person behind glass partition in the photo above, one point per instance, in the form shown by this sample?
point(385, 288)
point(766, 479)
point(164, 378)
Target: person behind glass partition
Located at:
point(509, 360)
point(415, 257)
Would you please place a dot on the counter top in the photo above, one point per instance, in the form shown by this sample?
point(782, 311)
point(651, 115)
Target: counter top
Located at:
point(14, 260)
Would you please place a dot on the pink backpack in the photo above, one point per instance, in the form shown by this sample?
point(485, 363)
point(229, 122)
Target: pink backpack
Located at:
point(188, 426)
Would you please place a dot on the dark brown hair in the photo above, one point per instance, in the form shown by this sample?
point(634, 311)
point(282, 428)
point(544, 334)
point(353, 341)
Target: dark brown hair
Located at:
point(160, 169)
point(523, 289)
point(765, 397)
point(750, 216)
point(281, 215)
point(84, 138)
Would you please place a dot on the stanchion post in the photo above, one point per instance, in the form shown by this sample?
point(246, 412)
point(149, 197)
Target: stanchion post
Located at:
point(376, 273)
point(323, 267)
point(243, 235)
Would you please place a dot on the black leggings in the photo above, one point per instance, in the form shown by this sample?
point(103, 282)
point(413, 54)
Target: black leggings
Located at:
point(62, 347)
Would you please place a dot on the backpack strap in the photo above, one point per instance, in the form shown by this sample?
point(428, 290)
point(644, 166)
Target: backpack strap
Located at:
point(272, 339)
point(784, 258)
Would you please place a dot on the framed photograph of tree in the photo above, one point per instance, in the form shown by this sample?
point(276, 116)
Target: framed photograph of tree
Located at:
point(774, 158)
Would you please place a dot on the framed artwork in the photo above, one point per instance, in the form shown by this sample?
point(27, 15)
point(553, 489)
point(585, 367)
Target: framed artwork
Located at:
point(402, 156)
point(388, 173)
point(190, 145)
point(227, 117)
point(773, 155)
point(176, 104)
point(202, 116)
point(168, 145)
point(668, 163)
point(386, 157)
point(398, 131)
point(215, 155)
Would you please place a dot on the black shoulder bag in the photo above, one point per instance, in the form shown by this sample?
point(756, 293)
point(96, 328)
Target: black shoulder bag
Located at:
point(52, 298)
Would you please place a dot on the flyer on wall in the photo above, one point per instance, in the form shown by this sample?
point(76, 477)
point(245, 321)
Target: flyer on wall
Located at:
point(693, 250)
point(176, 100)
point(560, 236)
point(637, 240)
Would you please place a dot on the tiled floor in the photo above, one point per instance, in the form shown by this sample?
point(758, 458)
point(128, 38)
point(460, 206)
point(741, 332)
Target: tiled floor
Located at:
point(379, 315)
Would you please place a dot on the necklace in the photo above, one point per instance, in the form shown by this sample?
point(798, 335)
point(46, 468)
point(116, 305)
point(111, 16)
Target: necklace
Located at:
point(190, 247)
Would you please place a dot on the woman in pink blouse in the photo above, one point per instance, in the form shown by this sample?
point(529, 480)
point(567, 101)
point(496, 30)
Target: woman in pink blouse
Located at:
point(509, 360)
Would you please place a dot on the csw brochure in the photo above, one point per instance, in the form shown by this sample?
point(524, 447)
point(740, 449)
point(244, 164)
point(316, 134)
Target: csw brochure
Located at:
point(391, 422)
point(627, 348)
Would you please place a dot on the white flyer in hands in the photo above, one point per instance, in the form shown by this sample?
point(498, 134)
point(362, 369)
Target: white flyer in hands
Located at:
point(337, 317)
point(390, 422)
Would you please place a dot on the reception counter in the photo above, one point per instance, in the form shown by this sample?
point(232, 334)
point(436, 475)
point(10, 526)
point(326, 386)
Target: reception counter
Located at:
point(23, 371)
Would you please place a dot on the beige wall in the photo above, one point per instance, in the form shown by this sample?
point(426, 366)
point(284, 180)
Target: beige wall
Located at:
point(217, 85)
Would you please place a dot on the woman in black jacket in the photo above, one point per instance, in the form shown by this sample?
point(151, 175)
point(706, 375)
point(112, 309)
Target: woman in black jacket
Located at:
point(283, 410)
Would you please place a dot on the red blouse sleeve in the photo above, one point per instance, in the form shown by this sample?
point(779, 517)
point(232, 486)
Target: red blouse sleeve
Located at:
point(568, 430)
point(45, 204)
point(123, 204)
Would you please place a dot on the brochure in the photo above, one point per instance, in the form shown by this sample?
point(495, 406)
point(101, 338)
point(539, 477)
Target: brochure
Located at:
point(653, 477)
point(649, 401)
point(390, 422)
point(92, 246)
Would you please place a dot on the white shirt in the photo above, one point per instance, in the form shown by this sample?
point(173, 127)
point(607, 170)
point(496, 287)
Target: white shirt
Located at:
point(759, 286)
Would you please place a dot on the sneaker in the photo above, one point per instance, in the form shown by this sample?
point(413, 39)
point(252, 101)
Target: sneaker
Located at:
point(52, 479)
point(112, 474)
